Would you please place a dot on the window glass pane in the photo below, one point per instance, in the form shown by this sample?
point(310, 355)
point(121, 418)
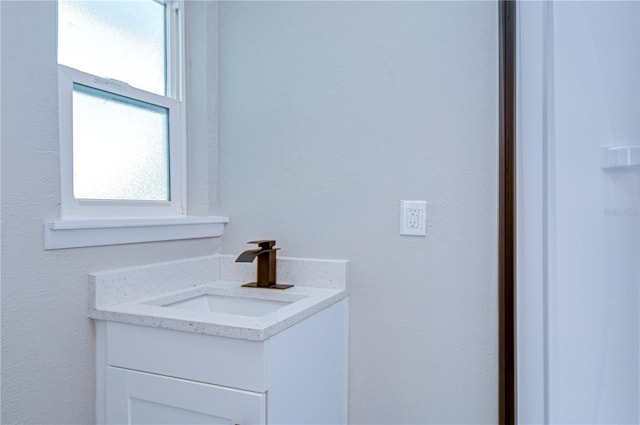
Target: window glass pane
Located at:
point(123, 40)
point(120, 147)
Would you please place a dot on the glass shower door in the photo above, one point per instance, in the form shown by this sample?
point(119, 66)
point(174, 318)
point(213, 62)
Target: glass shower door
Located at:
point(578, 212)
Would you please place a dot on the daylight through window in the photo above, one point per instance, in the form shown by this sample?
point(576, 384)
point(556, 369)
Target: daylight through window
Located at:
point(120, 112)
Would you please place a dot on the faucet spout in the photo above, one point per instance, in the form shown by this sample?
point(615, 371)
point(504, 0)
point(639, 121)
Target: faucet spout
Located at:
point(248, 256)
point(266, 269)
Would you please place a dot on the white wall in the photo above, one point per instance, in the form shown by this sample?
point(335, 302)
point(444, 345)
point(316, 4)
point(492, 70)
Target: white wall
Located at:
point(47, 339)
point(331, 113)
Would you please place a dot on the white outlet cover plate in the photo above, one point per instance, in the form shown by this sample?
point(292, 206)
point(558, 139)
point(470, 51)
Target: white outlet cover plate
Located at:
point(414, 217)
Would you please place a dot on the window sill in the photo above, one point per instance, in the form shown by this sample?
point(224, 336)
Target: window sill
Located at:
point(60, 234)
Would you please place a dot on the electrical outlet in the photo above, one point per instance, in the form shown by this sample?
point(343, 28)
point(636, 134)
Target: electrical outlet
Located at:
point(413, 218)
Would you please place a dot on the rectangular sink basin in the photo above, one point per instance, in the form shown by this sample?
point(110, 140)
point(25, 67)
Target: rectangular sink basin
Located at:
point(243, 306)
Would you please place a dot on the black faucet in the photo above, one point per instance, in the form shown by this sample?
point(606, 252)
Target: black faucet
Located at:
point(266, 254)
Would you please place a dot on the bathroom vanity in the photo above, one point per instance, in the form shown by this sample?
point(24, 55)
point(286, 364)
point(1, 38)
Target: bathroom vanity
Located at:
point(177, 352)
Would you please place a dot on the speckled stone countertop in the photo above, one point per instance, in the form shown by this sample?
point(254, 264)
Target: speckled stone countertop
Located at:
point(137, 295)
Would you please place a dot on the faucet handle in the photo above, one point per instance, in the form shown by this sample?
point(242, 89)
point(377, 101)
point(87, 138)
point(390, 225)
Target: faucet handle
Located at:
point(265, 244)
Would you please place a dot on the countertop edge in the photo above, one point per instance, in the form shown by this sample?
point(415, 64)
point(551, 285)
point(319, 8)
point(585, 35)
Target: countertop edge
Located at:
point(216, 329)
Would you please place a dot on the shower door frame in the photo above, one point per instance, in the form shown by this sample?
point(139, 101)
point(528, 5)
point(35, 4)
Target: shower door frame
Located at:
point(507, 216)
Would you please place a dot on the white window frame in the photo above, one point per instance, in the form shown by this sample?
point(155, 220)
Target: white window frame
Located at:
point(91, 208)
point(73, 208)
point(86, 223)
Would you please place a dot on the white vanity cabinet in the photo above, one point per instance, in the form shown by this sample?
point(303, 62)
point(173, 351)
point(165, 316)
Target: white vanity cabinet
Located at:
point(151, 375)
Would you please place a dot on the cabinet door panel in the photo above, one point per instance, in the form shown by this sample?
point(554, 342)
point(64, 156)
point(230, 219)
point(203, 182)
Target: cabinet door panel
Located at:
point(139, 398)
point(143, 412)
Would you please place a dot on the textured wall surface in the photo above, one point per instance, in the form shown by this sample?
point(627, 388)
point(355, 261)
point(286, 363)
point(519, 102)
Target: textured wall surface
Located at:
point(47, 339)
point(331, 113)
